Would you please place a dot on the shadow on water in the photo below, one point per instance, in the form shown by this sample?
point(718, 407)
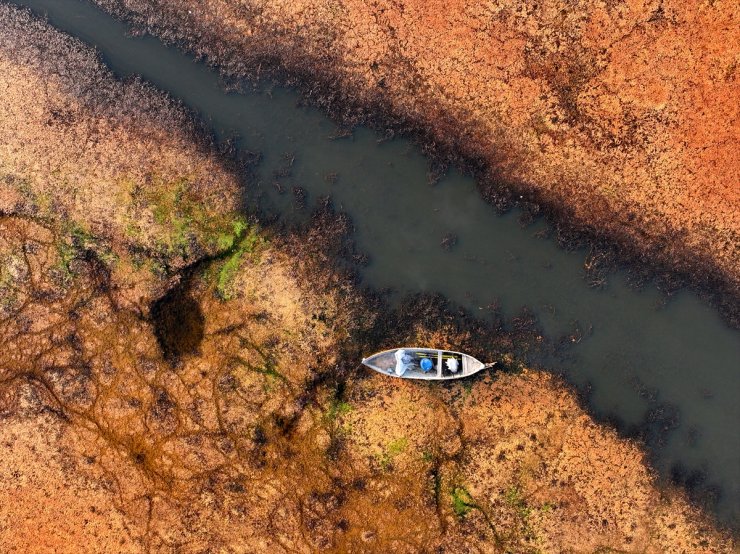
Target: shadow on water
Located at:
point(665, 371)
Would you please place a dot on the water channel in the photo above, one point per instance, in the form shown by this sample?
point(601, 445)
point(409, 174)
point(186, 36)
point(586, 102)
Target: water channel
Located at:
point(643, 355)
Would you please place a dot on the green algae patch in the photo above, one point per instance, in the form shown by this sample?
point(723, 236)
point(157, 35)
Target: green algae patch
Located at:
point(13, 270)
point(514, 498)
point(462, 502)
point(336, 409)
point(246, 241)
point(225, 241)
point(66, 253)
point(397, 447)
point(336, 425)
point(393, 449)
point(73, 242)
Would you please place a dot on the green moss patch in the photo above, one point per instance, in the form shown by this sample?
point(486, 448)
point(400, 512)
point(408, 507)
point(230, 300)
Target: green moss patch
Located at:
point(462, 502)
point(392, 450)
point(184, 221)
point(245, 241)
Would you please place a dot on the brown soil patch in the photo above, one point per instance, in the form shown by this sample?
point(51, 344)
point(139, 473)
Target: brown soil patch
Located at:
point(45, 505)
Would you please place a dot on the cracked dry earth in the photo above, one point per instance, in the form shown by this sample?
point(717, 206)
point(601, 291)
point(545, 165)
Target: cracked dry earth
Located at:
point(167, 375)
point(620, 116)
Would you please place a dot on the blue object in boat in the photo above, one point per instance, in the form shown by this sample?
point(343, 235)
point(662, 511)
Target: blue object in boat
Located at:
point(426, 364)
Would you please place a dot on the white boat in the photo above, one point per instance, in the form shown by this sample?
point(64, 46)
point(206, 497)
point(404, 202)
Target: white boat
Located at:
point(424, 363)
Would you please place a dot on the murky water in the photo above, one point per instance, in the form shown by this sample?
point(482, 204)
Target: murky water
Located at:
point(645, 360)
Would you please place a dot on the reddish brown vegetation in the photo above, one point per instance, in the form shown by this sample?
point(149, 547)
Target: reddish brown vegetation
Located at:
point(226, 418)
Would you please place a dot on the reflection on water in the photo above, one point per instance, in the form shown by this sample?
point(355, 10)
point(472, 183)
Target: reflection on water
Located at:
point(663, 366)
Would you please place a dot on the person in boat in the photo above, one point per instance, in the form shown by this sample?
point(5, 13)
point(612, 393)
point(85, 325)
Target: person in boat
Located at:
point(403, 361)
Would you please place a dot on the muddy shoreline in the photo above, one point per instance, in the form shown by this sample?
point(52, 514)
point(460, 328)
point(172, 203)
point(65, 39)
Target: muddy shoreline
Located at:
point(668, 264)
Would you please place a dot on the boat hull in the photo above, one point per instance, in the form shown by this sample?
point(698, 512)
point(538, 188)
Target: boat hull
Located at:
point(441, 365)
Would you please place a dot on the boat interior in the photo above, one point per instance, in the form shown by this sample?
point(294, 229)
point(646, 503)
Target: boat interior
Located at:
point(441, 364)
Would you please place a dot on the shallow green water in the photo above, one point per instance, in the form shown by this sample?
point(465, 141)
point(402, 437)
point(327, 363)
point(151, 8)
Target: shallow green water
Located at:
point(642, 353)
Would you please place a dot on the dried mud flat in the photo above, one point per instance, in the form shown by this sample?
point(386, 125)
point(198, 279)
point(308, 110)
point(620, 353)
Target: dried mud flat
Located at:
point(179, 380)
point(620, 120)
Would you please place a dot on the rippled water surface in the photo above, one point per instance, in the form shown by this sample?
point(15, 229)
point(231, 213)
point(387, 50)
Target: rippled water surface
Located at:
point(671, 364)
